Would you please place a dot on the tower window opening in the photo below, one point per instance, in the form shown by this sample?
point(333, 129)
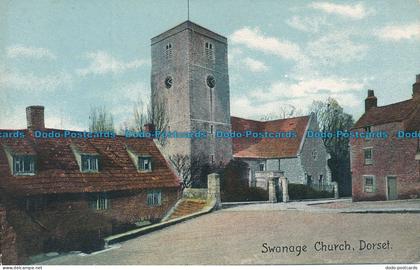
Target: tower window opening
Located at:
point(209, 52)
point(168, 52)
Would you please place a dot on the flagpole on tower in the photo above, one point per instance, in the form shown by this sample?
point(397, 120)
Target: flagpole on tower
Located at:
point(188, 7)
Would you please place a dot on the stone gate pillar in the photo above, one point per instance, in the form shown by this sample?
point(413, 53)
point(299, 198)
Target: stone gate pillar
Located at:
point(272, 195)
point(284, 188)
point(213, 189)
point(335, 186)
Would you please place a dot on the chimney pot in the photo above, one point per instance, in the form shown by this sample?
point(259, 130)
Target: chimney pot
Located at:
point(35, 117)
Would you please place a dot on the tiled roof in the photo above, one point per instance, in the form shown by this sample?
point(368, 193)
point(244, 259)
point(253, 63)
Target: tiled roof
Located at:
point(58, 171)
point(406, 111)
point(268, 147)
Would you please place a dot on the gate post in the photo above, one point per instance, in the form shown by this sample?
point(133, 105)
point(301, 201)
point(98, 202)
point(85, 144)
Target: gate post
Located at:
point(335, 186)
point(284, 188)
point(272, 196)
point(213, 189)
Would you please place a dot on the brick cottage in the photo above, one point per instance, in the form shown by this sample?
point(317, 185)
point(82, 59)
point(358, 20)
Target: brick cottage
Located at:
point(61, 194)
point(387, 169)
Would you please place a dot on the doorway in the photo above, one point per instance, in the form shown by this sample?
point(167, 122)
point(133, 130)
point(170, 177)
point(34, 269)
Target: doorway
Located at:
point(391, 183)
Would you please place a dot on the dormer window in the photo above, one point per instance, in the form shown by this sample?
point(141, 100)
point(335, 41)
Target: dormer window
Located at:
point(89, 163)
point(86, 156)
point(145, 164)
point(23, 165)
point(142, 159)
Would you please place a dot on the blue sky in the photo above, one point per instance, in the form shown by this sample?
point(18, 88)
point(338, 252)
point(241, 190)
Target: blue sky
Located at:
point(71, 55)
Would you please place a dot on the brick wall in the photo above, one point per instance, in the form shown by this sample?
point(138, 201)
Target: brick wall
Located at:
point(8, 253)
point(391, 157)
point(66, 222)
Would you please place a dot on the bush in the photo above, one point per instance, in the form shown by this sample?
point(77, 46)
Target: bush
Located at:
point(301, 192)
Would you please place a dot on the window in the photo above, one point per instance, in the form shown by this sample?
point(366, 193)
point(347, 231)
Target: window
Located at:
point(321, 178)
point(89, 163)
point(367, 130)
point(168, 52)
point(211, 129)
point(145, 164)
point(212, 159)
point(209, 52)
point(100, 202)
point(314, 154)
point(369, 183)
point(367, 152)
point(154, 198)
point(309, 180)
point(23, 165)
point(262, 167)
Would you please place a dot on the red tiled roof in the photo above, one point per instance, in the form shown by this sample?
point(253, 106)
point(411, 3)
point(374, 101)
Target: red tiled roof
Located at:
point(58, 171)
point(405, 111)
point(268, 147)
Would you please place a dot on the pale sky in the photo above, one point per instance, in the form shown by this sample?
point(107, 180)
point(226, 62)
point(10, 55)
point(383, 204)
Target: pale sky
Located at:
point(69, 55)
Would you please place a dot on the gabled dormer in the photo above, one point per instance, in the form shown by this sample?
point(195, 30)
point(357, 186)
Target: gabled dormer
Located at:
point(142, 159)
point(86, 156)
point(21, 159)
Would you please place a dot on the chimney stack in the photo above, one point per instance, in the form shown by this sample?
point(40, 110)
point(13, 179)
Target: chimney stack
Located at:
point(416, 87)
point(35, 117)
point(371, 101)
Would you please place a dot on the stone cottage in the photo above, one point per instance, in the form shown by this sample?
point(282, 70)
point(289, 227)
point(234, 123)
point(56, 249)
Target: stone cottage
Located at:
point(302, 159)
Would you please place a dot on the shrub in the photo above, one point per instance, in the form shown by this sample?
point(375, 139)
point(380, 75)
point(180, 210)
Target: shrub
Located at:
point(301, 192)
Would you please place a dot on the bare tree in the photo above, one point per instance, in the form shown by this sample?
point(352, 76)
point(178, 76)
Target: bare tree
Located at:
point(100, 119)
point(149, 113)
point(284, 111)
point(188, 168)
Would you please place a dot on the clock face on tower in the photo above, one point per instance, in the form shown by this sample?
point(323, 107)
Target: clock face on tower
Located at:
point(168, 82)
point(211, 81)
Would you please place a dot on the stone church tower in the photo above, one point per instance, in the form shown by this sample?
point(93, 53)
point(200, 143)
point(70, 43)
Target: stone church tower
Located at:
point(190, 79)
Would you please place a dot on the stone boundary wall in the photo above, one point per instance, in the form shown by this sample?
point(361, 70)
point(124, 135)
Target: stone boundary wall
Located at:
point(195, 193)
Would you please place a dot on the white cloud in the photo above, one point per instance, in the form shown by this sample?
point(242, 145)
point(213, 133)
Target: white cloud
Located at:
point(102, 62)
point(299, 94)
point(17, 51)
point(255, 65)
point(31, 82)
point(336, 47)
point(130, 92)
point(400, 32)
point(357, 11)
point(254, 39)
point(307, 24)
